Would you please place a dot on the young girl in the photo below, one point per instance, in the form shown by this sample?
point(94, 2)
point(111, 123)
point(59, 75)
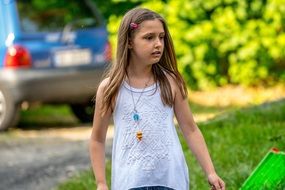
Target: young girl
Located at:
point(143, 92)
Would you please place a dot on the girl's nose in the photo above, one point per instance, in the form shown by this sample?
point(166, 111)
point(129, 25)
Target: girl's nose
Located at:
point(158, 42)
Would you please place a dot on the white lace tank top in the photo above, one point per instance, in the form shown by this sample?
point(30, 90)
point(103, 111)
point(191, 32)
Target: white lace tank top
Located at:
point(154, 159)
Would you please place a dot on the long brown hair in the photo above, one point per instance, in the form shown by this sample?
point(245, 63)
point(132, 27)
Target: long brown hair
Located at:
point(167, 63)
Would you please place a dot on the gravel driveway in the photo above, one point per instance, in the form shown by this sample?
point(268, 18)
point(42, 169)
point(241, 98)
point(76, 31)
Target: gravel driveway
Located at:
point(39, 160)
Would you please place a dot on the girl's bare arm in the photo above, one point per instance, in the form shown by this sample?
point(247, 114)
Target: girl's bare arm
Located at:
point(194, 137)
point(97, 140)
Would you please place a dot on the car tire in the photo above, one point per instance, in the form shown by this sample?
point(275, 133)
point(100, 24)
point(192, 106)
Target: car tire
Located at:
point(9, 110)
point(84, 112)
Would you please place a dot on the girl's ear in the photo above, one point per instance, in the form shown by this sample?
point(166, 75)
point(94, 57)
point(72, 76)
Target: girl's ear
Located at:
point(130, 44)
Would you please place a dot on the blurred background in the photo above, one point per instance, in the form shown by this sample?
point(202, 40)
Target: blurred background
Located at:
point(220, 42)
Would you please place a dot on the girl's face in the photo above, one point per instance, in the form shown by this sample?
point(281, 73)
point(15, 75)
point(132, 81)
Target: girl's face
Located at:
point(147, 44)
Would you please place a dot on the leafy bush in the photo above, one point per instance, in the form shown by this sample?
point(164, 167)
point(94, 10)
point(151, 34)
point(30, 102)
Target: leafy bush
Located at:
point(219, 42)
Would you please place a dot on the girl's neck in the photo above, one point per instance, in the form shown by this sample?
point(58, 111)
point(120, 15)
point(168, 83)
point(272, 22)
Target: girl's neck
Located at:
point(139, 77)
point(138, 71)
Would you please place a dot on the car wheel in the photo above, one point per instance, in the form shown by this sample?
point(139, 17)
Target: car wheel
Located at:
point(84, 112)
point(9, 110)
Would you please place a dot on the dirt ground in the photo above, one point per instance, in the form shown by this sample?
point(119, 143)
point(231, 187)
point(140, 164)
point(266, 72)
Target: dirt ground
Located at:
point(39, 160)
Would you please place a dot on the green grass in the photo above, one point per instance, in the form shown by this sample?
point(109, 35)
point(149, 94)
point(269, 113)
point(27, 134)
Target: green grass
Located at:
point(43, 117)
point(237, 141)
point(84, 180)
point(47, 116)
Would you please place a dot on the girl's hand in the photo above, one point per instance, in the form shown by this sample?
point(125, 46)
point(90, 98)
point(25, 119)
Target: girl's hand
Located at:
point(102, 187)
point(216, 182)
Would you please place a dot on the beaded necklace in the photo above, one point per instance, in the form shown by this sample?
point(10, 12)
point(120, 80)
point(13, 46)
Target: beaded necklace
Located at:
point(135, 114)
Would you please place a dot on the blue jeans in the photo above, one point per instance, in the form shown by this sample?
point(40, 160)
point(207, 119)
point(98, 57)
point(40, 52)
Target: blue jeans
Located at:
point(152, 188)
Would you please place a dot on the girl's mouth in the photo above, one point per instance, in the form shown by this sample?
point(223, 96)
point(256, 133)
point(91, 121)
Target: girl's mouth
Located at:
point(156, 53)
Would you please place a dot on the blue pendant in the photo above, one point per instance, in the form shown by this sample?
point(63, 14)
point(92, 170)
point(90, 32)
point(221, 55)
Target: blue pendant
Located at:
point(136, 116)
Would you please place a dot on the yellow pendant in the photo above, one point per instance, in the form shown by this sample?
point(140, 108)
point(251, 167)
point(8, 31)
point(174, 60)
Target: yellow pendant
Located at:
point(139, 135)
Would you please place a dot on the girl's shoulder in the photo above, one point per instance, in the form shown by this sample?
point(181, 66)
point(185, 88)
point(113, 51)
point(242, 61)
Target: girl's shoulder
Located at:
point(104, 83)
point(172, 80)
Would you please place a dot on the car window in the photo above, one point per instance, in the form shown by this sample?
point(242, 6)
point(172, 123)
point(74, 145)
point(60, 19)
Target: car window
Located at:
point(55, 15)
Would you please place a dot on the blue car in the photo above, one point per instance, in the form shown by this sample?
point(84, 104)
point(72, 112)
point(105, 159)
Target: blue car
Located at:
point(51, 52)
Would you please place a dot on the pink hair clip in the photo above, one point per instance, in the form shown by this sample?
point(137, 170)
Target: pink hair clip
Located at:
point(134, 26)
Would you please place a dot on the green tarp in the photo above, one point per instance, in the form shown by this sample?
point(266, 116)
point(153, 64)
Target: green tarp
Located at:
point(269, 174)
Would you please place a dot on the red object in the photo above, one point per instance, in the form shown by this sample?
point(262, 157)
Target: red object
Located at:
point(108, 52)
point(275, 150)
point(17, 56)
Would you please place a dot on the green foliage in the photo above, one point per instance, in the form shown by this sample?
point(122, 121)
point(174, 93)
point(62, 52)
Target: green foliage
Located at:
point(115, 7)
point(53, 15)
point(219, 42)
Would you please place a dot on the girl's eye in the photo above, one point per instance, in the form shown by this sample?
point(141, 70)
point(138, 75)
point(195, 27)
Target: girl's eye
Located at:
point(153, 37)
point(149, 37)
